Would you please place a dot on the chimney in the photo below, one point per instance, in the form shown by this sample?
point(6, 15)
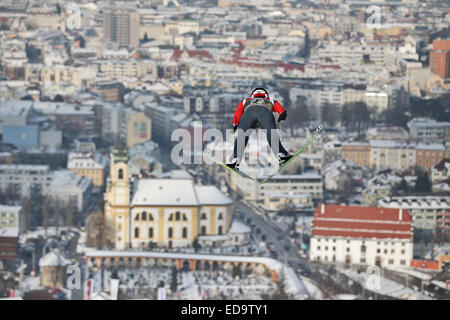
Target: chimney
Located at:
point(322, 209)
point(400, 214)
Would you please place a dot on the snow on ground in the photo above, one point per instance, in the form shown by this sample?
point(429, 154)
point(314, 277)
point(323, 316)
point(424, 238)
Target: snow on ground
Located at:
point(31, 283)
point(381, 285)
point(40, 232)
point(314, 292)
point(190, 288)
point(412, 272)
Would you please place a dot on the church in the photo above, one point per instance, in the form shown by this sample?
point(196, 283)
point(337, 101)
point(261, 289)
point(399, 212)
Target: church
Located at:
point(169, 212)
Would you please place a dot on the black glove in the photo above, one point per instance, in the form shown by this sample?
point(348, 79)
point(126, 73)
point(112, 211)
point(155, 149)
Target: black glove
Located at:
point(234, 127)
point(282, 116)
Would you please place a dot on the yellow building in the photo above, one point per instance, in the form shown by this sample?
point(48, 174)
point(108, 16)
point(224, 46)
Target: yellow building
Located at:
point(137, 127)
point(167, 212)
point(78, 76)
point(90, 165)
point(53, 270)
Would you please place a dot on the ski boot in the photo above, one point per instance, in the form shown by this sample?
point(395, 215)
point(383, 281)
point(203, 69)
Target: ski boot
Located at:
point(233, 164)
point(283, 158)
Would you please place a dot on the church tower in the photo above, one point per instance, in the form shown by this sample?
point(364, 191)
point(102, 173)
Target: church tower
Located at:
point(117, 199)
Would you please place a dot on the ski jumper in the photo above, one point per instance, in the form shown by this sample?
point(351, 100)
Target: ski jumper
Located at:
point(252, 113)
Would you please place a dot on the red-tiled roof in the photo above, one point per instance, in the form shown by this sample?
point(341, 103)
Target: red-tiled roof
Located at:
point(362, 222)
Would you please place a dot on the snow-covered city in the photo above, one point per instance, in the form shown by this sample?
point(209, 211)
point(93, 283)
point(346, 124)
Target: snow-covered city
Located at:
point(224, 150)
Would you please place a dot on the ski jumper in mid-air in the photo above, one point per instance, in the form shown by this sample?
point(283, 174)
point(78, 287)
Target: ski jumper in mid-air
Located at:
point(257, 112)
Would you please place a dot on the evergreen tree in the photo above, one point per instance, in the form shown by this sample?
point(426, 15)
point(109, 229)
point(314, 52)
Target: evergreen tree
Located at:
point(174, 283)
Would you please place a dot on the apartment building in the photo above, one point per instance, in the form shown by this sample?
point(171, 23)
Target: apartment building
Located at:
point(90, 165)
point(20, 180)
point(357, 152)
point(428, 212)
point(137, 127)
point(121, 26)
point(429, 154)
point(429, 130)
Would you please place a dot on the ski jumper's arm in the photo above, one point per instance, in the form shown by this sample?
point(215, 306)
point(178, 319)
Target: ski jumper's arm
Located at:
point(238, 113)
point(278, 108)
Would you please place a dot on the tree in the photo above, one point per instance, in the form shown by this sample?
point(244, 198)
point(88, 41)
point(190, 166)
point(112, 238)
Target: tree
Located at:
point(280, 294)
point(423, 183)
point(174, 283)
point(69, 213)
point(58, 98)
point(346, 187)
point(355, 116)
point(329, 114)
point(196, 245)
point(237, 272)
point(56, 212)
point(45, 212)
point(26, 207)
point(298, 115)
point(146, 39)
point(401, 187)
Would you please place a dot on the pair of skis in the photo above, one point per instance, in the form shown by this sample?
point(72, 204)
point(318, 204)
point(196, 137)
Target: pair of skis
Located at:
point(317, 131)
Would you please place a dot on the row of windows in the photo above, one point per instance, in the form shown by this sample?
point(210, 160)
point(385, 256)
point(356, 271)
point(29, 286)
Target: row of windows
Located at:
point(144, 216)
point(362, 260)
point(169, 233)
point(348, 241)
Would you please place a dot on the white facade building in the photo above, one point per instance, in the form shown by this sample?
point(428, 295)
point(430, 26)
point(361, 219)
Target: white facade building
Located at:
point(362, 235)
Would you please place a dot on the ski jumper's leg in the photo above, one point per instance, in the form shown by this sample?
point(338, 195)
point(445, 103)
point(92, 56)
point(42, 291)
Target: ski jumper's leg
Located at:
point(267, 121)
point(247, 122)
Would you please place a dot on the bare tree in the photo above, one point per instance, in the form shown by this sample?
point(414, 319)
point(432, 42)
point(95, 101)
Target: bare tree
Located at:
point(45, 212)
point(56, 210)
point(26, 207)
point(330, 114)
point(69, 213)
point(95, 230)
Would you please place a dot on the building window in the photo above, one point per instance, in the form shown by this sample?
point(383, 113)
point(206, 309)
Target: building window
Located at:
point(184, 217)
point(150, 232)
point(220, 230)
point(144, 216)
point(171, 217)
point(402, 262)
point(220, 216)
point(136, 232)
point(120, 173)
point(184, 233)
point(363, 260)
point(137, 217)
point(170, 233)
point(391, 261)
point(203, 230)
point(150, 217)
point(203, 216)
point(363, 248)
point(177, 216)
